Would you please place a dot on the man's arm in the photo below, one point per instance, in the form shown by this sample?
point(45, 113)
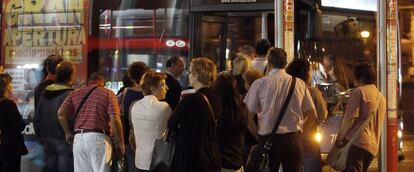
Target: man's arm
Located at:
point(118, 133)
point(116, 123)
point(251, 125)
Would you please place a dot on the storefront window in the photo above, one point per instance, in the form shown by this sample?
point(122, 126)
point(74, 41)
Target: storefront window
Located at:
point(33, 30)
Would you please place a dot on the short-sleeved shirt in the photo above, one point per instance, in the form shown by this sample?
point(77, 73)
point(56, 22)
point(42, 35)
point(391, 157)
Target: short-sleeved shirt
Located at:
point(97, 110)
point(266, 97)
point(364, 100)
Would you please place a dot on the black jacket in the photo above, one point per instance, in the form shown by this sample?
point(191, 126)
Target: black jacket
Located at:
point(11, 126)
point(46, 122)
point(40, 89)
point(196, 146)
point(174, 91)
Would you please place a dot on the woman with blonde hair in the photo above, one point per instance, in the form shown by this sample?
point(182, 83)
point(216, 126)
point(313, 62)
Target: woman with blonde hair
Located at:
point(194, 122)
point(241, 64)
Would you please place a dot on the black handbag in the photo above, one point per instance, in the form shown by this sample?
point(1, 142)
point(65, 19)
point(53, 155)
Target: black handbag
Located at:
point(162, 155)
point(259, 154)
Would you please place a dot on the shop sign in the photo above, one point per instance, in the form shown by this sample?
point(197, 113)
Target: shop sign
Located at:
point(32, 30)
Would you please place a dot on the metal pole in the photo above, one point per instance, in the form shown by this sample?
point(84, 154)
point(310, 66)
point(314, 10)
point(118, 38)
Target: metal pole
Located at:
point(264, 25)
point(279, 23)
point(382, 75)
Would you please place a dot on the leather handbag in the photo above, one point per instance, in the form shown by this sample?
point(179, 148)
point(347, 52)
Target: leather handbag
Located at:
point(162, 155)
point(259, 154)
point(338, 155)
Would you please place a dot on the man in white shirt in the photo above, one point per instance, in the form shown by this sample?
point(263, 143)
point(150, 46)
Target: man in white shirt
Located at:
point(266, 97)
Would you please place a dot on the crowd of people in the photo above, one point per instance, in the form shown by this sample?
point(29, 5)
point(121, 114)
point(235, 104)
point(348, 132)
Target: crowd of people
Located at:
point(213, 126)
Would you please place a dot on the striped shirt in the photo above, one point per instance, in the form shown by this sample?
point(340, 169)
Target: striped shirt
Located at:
point(96, 112)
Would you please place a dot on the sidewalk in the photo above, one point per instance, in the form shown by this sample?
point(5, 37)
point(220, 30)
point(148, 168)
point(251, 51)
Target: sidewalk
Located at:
point(407, 165)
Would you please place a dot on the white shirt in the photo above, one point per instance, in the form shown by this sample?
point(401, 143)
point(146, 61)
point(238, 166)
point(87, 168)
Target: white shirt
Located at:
point(266, 97)
point(149, 118)
point(259, 64)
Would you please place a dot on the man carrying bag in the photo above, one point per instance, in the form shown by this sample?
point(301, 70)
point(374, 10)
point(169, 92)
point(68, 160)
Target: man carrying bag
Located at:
point(267, 97)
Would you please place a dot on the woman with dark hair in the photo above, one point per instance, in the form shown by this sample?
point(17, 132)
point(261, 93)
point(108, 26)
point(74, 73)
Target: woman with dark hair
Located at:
point(130, 94)
point(300, 68)
point(11, 126)
point(232, 124)
point(194, 123)
point(365, 100)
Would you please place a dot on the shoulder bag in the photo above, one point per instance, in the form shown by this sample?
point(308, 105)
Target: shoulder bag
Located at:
point(259, 154)
point(338, 155)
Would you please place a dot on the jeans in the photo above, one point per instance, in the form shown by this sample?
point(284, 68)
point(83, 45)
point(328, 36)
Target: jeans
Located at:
point(92, 152)
point(130, 158)
point(312, 161)
point(59, 156)
point(358, 160)
point(287, 150)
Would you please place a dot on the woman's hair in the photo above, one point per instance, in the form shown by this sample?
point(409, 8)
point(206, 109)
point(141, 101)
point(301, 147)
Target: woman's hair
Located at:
point(136, 70)
point(127, 81)
point(225, 87)
point(299, 68)
point(365, 73)
point(64, 72)
point(241, 64)
point(205, 70)
point(252, 75)
point(5, 80)
point(151, 79)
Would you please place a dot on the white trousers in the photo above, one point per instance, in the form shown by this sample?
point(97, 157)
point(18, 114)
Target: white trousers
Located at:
point(92, 152)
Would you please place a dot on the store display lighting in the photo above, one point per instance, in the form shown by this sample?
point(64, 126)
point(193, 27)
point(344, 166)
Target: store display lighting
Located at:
point(365, 34)
point(399, 134)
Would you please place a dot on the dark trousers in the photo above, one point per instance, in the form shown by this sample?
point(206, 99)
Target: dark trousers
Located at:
point(59, 156)
point(287, 149)
point(358, 160)
point(10, 163)
point(130, 159)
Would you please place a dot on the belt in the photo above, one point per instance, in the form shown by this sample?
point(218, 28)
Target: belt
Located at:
point(80, 131)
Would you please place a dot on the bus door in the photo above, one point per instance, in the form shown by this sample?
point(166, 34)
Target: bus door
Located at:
point(210, 35)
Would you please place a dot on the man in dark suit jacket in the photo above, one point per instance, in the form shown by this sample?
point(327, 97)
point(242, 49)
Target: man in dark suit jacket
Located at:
point(175, 67)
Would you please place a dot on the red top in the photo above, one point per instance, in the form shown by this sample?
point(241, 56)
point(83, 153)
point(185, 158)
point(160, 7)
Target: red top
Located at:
point(95, 113)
